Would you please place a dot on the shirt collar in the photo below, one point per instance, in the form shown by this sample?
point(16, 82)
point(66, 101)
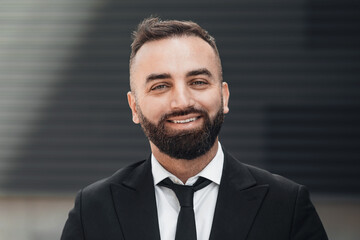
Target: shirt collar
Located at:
point(213, 171)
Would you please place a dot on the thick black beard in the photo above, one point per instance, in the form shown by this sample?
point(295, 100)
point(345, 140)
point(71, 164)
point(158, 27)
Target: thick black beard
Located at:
point(188, 144)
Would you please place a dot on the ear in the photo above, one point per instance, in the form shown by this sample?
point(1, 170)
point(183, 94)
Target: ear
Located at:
point(226, 95)
point(132, 105)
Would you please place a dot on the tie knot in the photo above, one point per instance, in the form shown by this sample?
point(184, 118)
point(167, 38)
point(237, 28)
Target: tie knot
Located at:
point(185, 193)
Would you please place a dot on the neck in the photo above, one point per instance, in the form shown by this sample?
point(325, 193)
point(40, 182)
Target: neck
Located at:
point(183, 168)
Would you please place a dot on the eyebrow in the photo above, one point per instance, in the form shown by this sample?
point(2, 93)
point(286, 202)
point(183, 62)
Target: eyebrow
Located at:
point(156, 76)
point(201, 71)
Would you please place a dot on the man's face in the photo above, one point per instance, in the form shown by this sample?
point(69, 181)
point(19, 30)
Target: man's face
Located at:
point(177, 95)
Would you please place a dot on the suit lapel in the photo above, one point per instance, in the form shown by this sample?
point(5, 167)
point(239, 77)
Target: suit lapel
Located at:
point(135, 204)
point(238, 201)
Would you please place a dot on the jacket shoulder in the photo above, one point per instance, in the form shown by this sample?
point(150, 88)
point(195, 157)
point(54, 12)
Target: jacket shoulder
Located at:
point(119, 176)
point(263, 176)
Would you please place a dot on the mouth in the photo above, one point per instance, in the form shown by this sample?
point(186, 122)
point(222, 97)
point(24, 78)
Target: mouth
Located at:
point(182, 121)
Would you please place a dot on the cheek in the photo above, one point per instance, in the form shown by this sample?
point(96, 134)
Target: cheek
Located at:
point(152, 109)
point(213, 106)
point(211, 101)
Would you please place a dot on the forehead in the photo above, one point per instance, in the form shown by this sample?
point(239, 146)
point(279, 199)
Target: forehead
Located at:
point(175, 56)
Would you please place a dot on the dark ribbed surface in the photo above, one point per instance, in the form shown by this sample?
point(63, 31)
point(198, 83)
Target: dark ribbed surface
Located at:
point(293, 68)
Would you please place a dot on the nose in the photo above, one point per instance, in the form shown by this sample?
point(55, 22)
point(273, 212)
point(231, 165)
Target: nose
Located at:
point(181, 98)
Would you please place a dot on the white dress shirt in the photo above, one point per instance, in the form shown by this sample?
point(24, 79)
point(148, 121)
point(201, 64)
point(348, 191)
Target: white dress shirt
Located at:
point(168, 206)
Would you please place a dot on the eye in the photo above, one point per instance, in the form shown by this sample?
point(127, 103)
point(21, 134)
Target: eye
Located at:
point(199, 83)
point(159, 87)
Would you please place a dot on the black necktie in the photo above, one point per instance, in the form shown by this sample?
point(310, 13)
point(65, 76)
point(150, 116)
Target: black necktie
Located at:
point(186, 228)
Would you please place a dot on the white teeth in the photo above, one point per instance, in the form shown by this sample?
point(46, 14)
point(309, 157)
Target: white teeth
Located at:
point(184, 121)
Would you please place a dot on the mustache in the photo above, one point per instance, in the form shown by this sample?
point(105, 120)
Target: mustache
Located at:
point(183, 112)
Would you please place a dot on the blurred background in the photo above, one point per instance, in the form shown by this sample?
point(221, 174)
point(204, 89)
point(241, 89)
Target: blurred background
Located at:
point(294, 73)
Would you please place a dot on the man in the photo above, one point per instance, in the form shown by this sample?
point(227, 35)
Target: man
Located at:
point(179, 99)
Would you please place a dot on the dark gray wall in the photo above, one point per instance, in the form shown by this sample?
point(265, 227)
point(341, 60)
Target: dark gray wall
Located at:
point(293, 68)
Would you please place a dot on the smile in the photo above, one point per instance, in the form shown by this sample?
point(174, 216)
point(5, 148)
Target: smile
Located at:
point(184, 121)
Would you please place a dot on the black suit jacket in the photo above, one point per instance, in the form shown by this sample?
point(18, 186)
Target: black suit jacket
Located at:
point(252, 204)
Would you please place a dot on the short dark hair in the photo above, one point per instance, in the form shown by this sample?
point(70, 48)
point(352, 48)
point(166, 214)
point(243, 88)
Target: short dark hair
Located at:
point(153, 28)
